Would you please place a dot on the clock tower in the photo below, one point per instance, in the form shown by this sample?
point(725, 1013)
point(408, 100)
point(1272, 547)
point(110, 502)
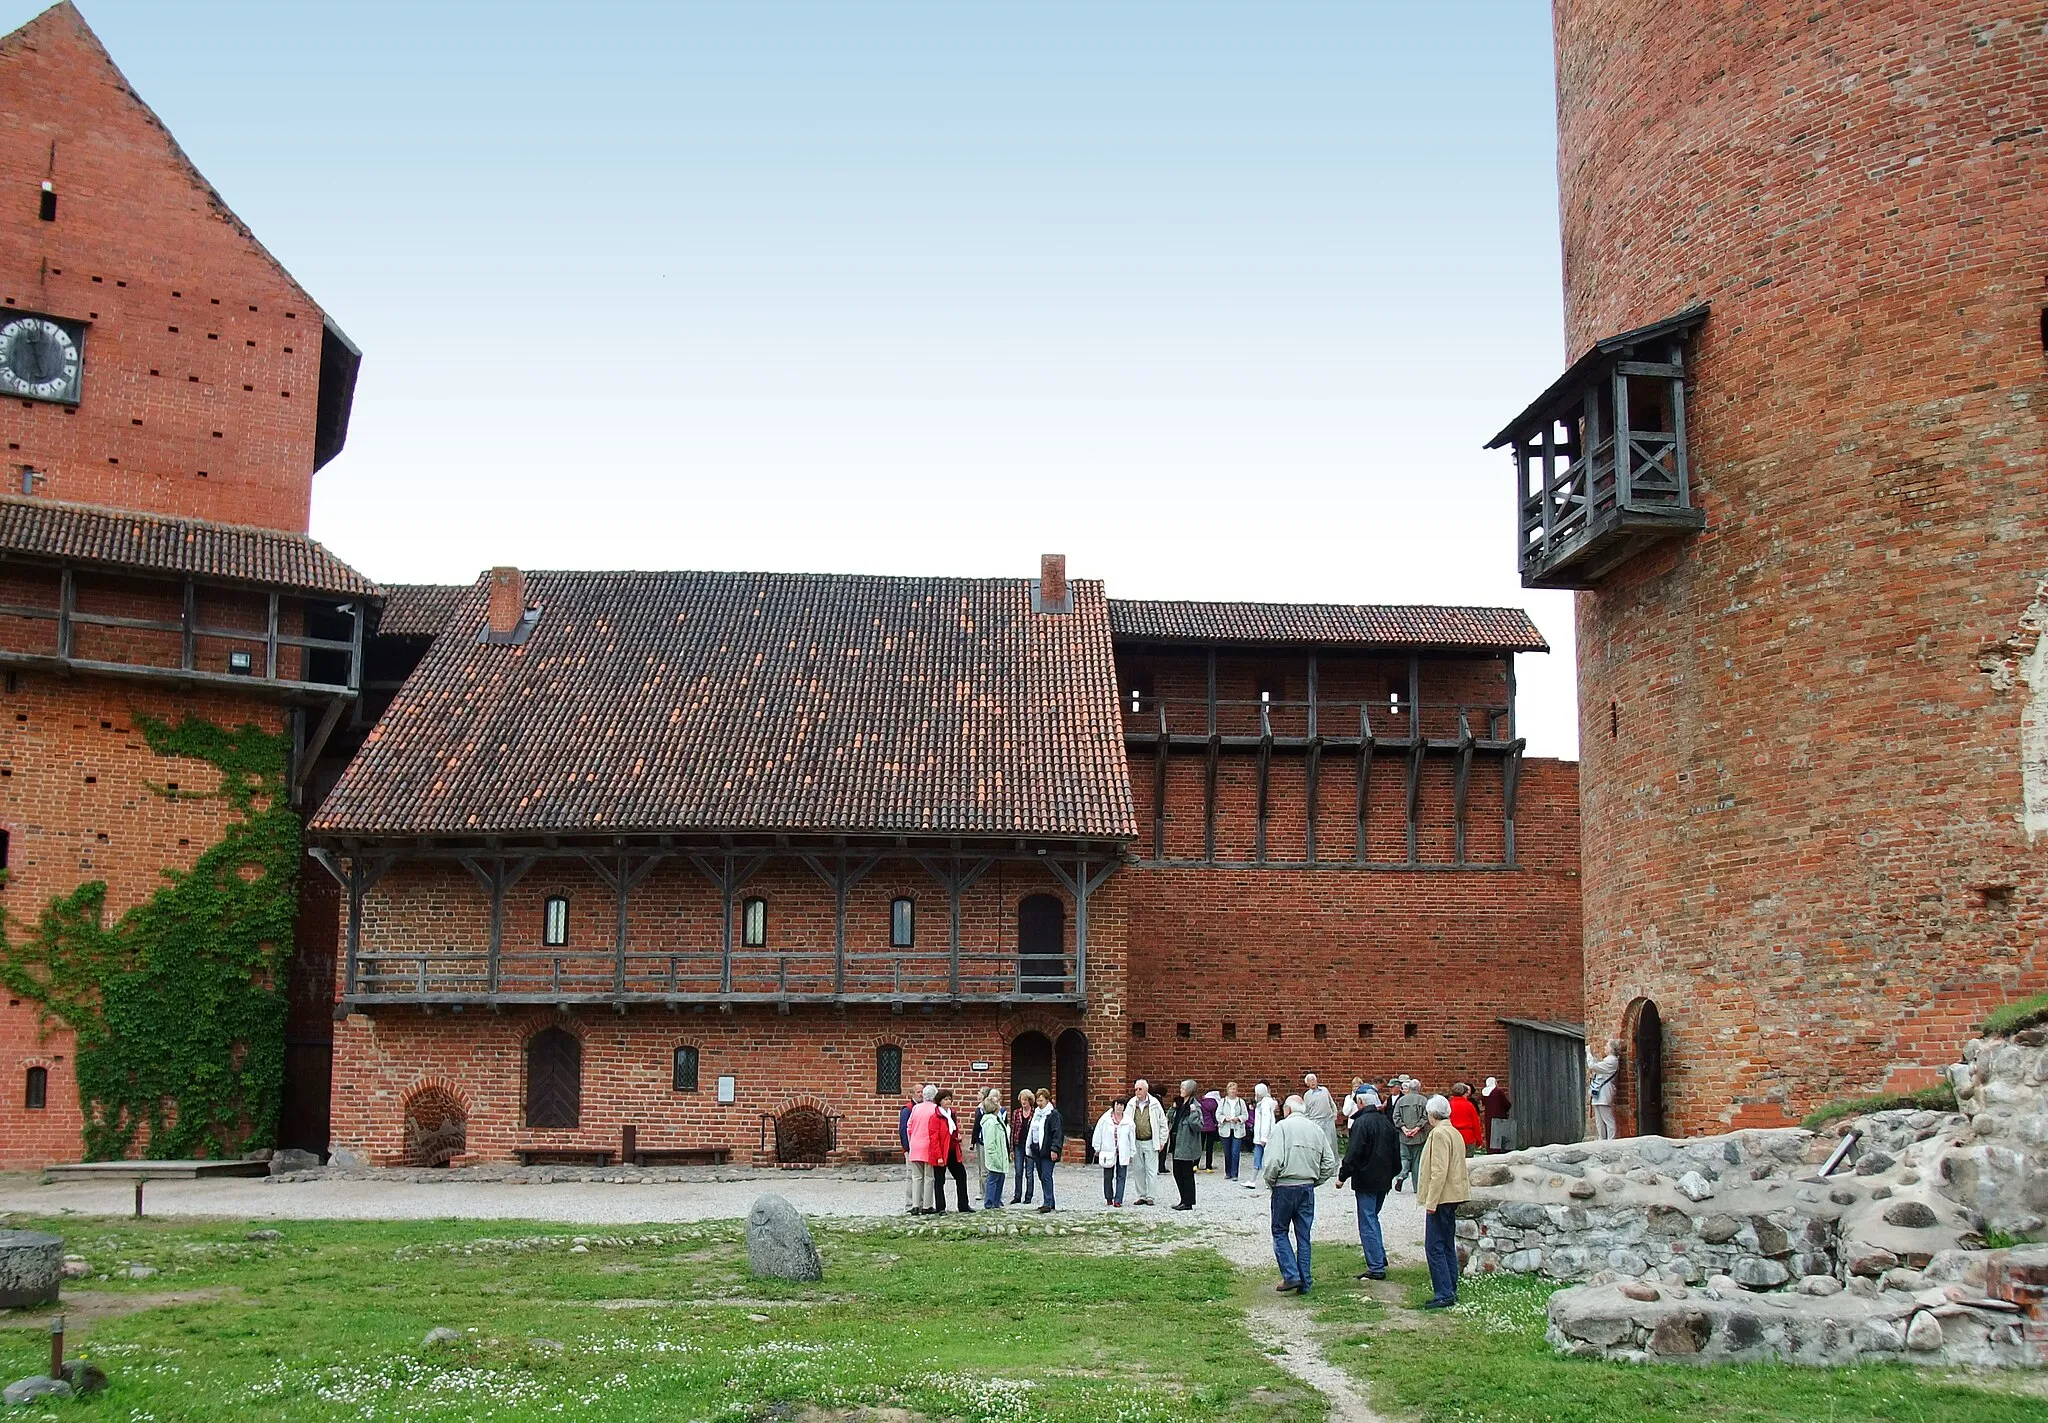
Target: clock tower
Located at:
point(153, 355)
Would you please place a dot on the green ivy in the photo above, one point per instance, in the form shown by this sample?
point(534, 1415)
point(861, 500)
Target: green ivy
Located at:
point(178, 1007)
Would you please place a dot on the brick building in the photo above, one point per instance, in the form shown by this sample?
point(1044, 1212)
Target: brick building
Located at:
point(1805, 291)
point(728, 859)
point(731, 859)
point(166, 393)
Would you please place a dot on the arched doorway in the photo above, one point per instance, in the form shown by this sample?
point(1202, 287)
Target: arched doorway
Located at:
point(1070, 1077)
point(1041, 945)
point(1646, 1044)
point(1030, 1063)
point(802, 1135)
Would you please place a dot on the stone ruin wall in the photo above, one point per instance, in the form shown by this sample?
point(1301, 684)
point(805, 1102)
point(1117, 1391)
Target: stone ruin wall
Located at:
point(1734, 1248)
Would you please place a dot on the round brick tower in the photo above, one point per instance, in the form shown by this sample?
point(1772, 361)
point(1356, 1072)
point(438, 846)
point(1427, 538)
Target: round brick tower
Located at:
point(1815, 732)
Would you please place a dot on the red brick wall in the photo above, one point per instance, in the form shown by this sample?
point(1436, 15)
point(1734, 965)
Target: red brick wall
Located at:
point(76, 804)
point(202, 356)
point(1805, 842)
point(810, 1054)
point(1450, 951)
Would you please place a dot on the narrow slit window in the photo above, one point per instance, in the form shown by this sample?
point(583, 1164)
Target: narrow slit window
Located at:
point(36, 1094)
point(554, 922)
point(888, 1070)
point(686, 1069)
point(902, 923)
point(754, 924)
point(47, 208)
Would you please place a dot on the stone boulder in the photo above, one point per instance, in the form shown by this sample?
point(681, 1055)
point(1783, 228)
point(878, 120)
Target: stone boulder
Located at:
point(292, 1159)
point(31, 1268)
point(36, 1386)
point(779, 1243)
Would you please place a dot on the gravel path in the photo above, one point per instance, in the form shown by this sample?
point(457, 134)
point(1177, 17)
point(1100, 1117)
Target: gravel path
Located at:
point(1232, 1218)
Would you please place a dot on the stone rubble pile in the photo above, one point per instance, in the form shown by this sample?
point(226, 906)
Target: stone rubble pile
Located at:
point(1734, 1248)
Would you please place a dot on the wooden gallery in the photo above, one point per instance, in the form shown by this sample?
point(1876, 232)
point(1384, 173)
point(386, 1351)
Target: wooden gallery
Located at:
point(684, 864)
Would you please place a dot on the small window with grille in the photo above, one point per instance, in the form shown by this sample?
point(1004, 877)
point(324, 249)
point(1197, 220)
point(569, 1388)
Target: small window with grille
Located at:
point(754, 924)
point(888, 1070)
point(36, 1096)
point(686, 1069)
point(554, 921)
point(902, 923)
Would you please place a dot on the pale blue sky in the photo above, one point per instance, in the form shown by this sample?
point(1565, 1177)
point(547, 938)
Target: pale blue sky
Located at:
point(1218, 299)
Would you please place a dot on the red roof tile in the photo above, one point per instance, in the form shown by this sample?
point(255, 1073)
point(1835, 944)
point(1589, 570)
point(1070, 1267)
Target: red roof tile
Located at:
point(1326, 624)
point(418, 609)
point(701, 702)
point(47, 531)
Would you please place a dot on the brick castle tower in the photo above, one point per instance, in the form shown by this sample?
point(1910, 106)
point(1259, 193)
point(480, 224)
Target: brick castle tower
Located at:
point(1805, 286)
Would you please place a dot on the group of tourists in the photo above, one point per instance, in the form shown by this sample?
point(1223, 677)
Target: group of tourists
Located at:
point(1401, 1138)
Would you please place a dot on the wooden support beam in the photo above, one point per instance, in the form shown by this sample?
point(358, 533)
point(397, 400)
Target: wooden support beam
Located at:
point(1215, 752)
point(362, 875)
point(1511, 783)
point(1415, 755)
point(1315, 761)
point(317, 742)
point(841, 875)
point(1265, 771)
point(1461, 785)
point(187, 657)
point(957, 880)
point(67, 598)
point(1161, 756)
point(358, 614)
point(1364, 798)
point(497, 880)
point(1084, 880)
point(270, 640)
point(727, 874)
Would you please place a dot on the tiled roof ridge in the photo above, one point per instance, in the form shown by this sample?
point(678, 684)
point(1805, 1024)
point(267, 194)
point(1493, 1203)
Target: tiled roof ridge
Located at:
point(37, 501)
point(1443, 625)
point(1264, 603)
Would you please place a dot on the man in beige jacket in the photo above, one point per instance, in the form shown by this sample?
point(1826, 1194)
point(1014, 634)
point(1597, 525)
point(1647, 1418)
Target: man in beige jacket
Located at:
point(1442, 1185)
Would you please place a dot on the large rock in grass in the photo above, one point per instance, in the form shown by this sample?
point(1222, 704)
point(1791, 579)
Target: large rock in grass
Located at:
point(779, 1244)
point(31, 1268)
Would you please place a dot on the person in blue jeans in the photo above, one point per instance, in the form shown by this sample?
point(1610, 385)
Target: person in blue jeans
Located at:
point(995, 1151)
point(1371, 1161)
point(1042, 1143)
point(1299, 1159)
point(1442, 1187)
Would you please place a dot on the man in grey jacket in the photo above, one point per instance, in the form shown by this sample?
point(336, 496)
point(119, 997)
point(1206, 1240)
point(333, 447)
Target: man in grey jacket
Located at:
point(1411, 1119)
point(1299, 1158)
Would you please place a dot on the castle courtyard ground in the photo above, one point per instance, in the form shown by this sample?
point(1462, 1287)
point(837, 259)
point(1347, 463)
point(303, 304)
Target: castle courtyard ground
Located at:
point(314, 1299)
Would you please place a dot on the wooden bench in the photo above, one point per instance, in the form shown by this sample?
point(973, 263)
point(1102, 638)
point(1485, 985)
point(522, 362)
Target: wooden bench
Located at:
point(632, 1153)
point(681, 1156)
point(564, 1156)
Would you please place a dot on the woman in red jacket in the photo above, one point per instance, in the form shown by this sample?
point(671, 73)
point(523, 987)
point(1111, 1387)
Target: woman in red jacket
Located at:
point(1465, 1117)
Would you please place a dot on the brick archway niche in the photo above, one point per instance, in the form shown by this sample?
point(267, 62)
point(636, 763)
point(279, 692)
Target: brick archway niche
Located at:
point(436, 1127)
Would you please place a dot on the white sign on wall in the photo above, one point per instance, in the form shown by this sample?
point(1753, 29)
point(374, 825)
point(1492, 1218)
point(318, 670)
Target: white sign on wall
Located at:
point(725, 1090)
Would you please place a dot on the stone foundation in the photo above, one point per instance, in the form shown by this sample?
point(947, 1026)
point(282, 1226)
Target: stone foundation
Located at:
point(1735, 1248)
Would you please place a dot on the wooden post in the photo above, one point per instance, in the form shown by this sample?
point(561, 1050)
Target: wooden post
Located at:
point(1315, 759)
point(1265, 764)
point(1624, 456)
point(270, 641)
point(629, 1145)
point(186, 622)
point(1511, 779)
point(1164, 751)
point(1364, 803)
point(67, 596)
point(1464, 778)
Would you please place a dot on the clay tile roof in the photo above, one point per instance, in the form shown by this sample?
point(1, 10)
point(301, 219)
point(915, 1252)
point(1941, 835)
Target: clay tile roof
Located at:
point(418, 609)
point(1327, 624)
point(738, 702)
point(44, 530)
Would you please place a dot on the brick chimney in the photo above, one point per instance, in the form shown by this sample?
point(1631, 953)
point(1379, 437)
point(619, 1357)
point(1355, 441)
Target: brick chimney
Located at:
point(508, 601)
point(1052, 583)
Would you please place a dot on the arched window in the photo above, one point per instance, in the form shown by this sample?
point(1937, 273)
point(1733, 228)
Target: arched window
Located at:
point(754, 924)
point(888, 1070)
point(902, 923)
point(1041, 945)
point(554, 921)
point(686, 1069)
point(554, 1079)
point(36, 1095)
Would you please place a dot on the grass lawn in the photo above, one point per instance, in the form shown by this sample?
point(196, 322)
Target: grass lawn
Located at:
point(1486, 1360)
point(663, 1322)
point(656, 1322)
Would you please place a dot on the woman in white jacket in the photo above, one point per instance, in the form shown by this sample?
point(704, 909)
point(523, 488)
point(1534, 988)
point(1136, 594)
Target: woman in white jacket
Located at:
point(1116, 1146)
point(1233, 1119)
point(1263, 1113)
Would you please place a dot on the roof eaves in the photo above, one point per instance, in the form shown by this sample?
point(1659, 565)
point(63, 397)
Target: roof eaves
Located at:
point(1676, 324)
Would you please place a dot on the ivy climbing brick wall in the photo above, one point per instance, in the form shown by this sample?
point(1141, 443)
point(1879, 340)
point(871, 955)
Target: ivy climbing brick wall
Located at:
point(76, 800)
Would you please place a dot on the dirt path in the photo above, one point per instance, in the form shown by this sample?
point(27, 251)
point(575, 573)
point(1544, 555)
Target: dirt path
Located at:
point(1279, 1327)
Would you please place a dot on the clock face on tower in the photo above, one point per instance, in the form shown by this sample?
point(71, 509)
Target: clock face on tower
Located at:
point(41, 357)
